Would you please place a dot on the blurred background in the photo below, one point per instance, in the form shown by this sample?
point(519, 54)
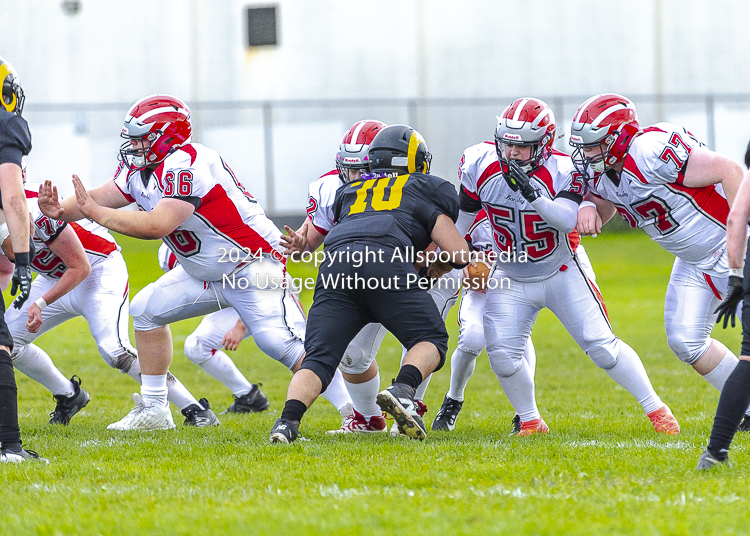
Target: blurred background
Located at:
point(273, 86)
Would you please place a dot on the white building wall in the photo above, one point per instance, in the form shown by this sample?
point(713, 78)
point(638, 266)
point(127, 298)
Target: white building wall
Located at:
point(114, 52)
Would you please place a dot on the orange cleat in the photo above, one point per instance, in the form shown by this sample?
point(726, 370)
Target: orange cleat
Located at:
point(537, 426)
point(664, 421)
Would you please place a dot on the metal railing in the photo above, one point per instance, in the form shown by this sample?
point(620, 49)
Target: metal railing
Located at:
point(277, 147)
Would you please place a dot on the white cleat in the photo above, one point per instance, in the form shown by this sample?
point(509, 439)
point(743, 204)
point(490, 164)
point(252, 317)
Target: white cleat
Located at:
point(146, 418)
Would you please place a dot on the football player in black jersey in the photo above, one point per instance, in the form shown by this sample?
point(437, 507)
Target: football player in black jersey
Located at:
point(15, 143)
point(735, 395)
point(369, 276)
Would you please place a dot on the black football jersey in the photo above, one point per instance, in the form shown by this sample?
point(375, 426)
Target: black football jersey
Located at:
point(393, 212)
point(15, 138)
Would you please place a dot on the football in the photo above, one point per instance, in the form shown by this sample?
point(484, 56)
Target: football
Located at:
point(478, 275)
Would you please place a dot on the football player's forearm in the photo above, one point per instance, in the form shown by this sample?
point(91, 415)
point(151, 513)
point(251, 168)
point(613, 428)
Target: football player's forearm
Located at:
point(447, 237)
point(737, 225)
point(135, 224)
point(464, 221)
point(560, 213)
point(70, 279)
point(14, 205)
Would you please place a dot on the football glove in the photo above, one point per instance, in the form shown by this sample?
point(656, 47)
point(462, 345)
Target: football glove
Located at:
point(21, 279)
point(517, 179)
point(728, 308)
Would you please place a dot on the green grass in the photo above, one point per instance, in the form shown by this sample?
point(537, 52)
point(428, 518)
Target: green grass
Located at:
point(601, 470)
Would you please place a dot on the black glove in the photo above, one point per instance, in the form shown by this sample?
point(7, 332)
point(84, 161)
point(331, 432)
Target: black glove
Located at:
point(517, 179)
point(728, 307)
point(21, 280)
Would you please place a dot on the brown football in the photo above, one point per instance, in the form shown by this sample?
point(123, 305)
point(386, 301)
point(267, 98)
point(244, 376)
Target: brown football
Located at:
point(478, 275)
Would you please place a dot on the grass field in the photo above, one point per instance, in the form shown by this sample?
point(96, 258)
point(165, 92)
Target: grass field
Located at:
point(601, 470)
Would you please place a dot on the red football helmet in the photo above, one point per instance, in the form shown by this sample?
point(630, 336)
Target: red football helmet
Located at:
point(608, 119)
point(354, 146)
point(526, 122)
point(163, 122)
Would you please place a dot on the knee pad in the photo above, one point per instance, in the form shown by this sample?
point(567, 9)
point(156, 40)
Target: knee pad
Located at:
point(142, 319)
point(118, 358)
point(17, 351)
point(279, 345)
point(471, 340)
point(196, 352)
point(604, 355)
point(688, 347)
point(504, 364)
point(356, 359)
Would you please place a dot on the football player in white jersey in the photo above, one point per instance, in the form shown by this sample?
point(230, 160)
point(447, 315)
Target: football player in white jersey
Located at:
point(531, 195)
point(220, 330)
point(664, 181)
point(81, 273)
point(228, 249)
point(359, 365)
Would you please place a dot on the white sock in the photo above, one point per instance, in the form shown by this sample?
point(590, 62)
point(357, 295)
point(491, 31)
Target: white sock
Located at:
point(37, 365)
point(221, 367)
point(135, 370)
point(154, 389)
point(630, 374)
point(718, 376)
point(337, 394)
point(529, 354)
point(463, 364)
point(519, 388)
point(422, 388)
point(178, 394)
point(364, 394)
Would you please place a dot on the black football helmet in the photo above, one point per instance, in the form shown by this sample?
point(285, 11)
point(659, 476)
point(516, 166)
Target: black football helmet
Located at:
point(399, 148)
point(12, 94)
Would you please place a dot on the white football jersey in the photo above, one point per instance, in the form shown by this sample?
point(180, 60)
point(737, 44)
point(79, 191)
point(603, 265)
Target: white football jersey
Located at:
point(228, 228)
point(688, 222)
point(320, 205)
point(479, 234)
point(527, 248)
point(96, 240)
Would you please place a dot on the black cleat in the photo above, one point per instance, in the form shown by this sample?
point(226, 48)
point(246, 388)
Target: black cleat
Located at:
point(745, 424)
point(708, 461)
point(19, 456)
point(445, 420)
point(67, 406)
point(398, 401)
point(253, 402)
point(515, 426)
point(284, 431)
point(200, 417)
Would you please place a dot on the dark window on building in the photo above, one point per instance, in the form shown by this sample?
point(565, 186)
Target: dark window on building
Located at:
point(261, 26)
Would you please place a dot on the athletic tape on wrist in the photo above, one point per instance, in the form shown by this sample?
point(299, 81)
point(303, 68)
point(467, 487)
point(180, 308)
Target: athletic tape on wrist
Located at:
point(41, 303)
point(737, 272)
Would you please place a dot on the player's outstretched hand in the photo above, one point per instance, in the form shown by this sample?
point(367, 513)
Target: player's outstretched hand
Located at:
point(85, 202)
point(49, 203)
point(589, 222)
point(295, 243)
point(728, 308)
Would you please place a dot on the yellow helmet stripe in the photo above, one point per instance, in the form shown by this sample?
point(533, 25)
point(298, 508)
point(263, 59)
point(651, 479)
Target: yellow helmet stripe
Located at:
point(414, 142)
point(5, 72)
